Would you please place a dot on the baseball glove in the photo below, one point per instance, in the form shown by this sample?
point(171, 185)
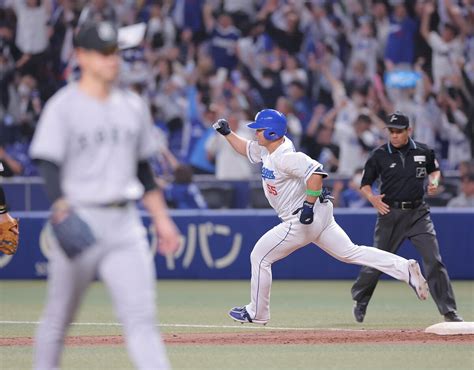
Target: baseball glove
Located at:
point(73, 234)
point(9, 233)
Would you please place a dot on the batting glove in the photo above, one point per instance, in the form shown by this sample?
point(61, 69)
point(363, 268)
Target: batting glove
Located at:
point(307, 214)
point(222, 127)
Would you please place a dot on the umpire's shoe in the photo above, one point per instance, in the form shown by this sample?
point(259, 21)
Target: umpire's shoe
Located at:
point(359, 311)
point(452, 316)
point(241, 315)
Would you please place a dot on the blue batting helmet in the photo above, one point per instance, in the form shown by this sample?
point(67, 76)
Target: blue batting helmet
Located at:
point(272, 121)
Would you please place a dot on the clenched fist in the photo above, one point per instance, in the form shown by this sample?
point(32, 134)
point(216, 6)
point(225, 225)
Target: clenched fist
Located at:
point(222, 127)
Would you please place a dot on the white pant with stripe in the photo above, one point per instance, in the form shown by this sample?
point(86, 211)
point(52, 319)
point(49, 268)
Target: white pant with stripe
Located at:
point(291, 235)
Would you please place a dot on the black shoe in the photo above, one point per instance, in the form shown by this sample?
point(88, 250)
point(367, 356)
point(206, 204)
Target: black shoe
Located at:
point(452, 317)
point(359, 311)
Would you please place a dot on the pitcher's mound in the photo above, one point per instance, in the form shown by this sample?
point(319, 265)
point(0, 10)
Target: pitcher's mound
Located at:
point(451, 328)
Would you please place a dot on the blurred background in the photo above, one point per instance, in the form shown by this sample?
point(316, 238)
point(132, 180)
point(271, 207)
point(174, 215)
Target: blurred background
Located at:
point(336, 68)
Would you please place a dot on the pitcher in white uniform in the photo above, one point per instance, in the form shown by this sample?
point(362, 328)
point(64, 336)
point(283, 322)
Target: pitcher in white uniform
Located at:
point(292, 182)
point(92, 146)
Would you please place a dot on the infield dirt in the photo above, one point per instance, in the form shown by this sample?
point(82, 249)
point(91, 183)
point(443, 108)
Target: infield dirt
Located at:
point(270, 337)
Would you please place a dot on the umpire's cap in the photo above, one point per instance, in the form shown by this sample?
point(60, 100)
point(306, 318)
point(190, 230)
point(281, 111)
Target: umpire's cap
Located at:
point(398, 120)
point(98, 36)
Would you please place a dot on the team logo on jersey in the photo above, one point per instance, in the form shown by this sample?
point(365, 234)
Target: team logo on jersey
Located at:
point(420, 172)
point(267, 174)
point(393, 165)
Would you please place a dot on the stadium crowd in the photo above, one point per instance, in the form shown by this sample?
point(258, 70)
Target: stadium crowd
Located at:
point(336, 68)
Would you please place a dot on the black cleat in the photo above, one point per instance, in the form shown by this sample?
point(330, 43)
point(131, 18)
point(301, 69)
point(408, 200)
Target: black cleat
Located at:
point(359, 311)
point(452, 317)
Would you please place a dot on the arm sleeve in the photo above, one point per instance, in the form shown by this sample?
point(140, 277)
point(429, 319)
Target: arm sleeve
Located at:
point(436, 43)
point(145, 175)
point(254, 152)
point(370, 171)
point(49, 171)
point(147, 145)
point(300, 165)
point(51, 129)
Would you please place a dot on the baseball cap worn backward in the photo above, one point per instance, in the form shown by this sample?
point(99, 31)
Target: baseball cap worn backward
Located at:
point(101, 37)
point(398, 120)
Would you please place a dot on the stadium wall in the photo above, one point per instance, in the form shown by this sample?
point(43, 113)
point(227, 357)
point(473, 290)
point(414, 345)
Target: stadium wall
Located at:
point(217, 245)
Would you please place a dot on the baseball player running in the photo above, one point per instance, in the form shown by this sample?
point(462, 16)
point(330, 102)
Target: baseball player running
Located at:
point(92, 145)
point(292, 182)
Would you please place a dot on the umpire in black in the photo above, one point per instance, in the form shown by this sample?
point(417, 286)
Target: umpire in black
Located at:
point(402, 166)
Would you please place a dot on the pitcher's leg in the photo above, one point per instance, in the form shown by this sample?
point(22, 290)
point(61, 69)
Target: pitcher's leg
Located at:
point(67, 282)
point(274, 245)
point(128, 272)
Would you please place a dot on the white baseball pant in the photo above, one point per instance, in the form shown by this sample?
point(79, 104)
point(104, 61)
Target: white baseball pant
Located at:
point(291, 235)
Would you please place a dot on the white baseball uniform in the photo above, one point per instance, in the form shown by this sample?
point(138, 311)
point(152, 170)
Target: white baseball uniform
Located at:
point(284, 176)
point(97, 145)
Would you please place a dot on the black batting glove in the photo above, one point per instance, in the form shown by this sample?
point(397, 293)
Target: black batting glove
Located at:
point(307, 214)
point(222, 127)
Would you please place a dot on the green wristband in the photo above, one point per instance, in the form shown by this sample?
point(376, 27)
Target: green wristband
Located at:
point(313, 193)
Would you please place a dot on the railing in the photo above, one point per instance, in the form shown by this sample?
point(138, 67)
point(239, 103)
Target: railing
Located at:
point(28, 193)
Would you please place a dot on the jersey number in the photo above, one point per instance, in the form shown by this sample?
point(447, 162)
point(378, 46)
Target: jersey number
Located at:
point(272, 189)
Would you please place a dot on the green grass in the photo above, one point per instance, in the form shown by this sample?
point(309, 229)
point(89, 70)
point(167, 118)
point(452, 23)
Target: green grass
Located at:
point(302, 304)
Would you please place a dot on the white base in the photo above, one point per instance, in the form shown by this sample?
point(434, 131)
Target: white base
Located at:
point(451, 328)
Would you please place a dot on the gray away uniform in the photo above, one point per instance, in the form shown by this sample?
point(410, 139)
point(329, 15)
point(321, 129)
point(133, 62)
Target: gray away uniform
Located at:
point(97, 146)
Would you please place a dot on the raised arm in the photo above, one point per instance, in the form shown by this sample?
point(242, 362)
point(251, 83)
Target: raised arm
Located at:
point(238, 143)
point(428, 9)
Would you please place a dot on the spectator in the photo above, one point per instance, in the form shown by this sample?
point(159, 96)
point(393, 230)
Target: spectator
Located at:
point(242, 12)
point(223, 40)
point(466, 198)
point(98, 10)
point(382, 24)
point(300, 102)
point(267, 83)
point(351, 197)
point(161, 32)
point(289, 37)
point(230, 165)
point(7, 69)
point(189, 15)
point(400, 47)
point(11, 166)
point(63, 21)
point(317, 141)
point(183, 193)
point(24, 108)
point(447, 48)
point(295, 129)
point(293, 72)
point(453, 123)
point(364, 46)
point(32, 33)
point(356, 142)
point(321, 88)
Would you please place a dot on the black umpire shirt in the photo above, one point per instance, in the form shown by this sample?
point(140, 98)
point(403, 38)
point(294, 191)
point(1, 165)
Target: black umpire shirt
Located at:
point(401, 171)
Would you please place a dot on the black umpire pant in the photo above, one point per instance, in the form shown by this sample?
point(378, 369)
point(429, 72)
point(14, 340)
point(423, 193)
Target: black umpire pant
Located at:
point(390, 232)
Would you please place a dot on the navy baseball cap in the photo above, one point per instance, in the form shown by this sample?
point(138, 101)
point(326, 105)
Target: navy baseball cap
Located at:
point(398, 120)
point(101, 37)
